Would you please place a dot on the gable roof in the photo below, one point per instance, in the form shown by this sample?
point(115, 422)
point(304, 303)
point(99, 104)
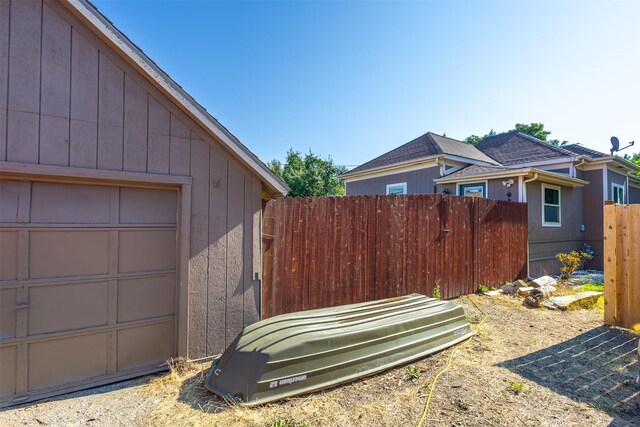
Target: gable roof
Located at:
point(584, 151)
point(427, 145)
point(97, 22)
point(515, 147)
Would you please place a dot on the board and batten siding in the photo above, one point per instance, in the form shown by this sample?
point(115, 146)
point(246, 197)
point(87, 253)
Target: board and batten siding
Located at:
point(546, 242)
point(68, 99)
point(418, 182)
point(593, 216)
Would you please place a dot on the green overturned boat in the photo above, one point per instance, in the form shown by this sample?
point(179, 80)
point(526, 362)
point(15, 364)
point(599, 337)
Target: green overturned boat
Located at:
point(310, 350)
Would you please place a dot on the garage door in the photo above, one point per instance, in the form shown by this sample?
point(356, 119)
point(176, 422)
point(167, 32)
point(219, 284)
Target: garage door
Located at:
point(87, 285)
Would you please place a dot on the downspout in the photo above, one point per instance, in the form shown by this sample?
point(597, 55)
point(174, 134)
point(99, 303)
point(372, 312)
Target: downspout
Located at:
point(575, 168)
point(524, 186)
point(524, 199)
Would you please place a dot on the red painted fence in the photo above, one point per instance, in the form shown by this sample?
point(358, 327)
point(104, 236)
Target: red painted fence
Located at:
point(321, 252)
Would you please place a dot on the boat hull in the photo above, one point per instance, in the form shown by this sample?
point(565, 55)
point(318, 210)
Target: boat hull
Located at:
point(306, 351)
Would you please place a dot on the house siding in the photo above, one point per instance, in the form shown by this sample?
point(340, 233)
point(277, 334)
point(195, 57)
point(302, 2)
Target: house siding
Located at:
point(634, 194)
point(500, 192)
point(545, 242)
point(73, 101)
point(418, 182)
point(593, 216)
point(617, 178)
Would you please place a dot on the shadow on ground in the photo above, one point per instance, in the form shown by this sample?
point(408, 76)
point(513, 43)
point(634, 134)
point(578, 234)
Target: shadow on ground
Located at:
point(598, 367)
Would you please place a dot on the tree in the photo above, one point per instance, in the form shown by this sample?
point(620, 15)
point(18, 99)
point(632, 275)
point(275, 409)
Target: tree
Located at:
point(534, 129)
point(634, 158)
point(309, 176)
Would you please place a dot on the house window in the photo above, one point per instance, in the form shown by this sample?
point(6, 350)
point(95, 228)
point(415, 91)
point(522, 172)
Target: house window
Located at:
point(473, 190)
point(550, 206)
point(399, 188)
point(618, 193)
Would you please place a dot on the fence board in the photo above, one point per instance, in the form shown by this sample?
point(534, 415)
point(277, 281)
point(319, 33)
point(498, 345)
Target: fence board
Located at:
point(621, 266)
point(321, 252)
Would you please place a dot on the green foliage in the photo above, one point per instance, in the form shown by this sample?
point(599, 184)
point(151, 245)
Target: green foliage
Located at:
point(412, 372)
point(571, 261)
point(309, 176)
point(436, 292)
point(518, 387)
point(534, 129)
point(592, 287)
point(482, 289)
point(634, 158)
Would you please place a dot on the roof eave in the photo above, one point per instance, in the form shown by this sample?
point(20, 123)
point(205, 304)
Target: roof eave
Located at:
point(552, 177)
point(390, 167)
point(91, 17)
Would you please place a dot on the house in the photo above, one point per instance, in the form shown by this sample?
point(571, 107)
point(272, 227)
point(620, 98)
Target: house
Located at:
point(129, 217)
point(565, 187)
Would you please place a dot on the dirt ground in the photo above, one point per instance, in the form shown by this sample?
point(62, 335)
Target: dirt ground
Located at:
point(525, 367)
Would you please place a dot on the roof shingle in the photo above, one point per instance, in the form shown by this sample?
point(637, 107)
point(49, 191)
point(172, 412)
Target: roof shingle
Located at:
point(515, 147)
point(426, 145)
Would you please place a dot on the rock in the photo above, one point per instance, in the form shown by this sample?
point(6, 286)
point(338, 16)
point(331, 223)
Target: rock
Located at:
point(533, 301)
point(525, 291)
point(494, 293)
point(543, 281)
point(512, 288)
point(570, 301)
point(543, 292)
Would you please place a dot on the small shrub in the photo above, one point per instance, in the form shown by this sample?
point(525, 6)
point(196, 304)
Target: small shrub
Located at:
point(518, 387)
point(571, 261)
point(463, 406)
point(412, 372)
point(436, 292)
point(482, 289)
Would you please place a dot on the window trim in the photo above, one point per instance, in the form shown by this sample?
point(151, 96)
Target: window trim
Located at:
point(559, 205)
point(397, 184)
point(614, 186)
point(484, 184)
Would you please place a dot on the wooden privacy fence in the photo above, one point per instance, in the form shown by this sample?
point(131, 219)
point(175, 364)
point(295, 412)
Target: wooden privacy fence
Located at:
point(321, 252)
point(622, 266)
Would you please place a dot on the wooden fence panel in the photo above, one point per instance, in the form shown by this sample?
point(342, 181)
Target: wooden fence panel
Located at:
point(321, 252)
point(622, 266)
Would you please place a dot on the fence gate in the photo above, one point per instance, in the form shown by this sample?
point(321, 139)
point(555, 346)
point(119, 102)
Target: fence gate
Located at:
point(622, 266)
point(321, 252)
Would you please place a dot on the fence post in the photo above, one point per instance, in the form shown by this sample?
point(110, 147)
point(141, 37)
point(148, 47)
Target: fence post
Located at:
point(610, 270)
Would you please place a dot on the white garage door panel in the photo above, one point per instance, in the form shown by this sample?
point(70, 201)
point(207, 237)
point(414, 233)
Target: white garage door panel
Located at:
point(67, 307)
point(134, 302)
point(68, 253)
point(87, 285)
point(65, 204)
point(63, 361)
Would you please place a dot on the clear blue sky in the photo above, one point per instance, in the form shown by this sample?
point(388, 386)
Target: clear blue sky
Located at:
point(356, 79)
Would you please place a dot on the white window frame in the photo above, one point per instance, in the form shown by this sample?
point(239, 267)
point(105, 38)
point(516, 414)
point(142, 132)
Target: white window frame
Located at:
point(559, 206)
point(485, 189)
point(614, 187)
point(397, 184)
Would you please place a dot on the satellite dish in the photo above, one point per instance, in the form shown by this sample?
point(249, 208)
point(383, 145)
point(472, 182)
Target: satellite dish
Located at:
point(615, 144)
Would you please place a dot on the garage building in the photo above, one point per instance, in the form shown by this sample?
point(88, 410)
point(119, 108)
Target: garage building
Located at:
point(129, 217)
